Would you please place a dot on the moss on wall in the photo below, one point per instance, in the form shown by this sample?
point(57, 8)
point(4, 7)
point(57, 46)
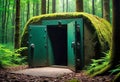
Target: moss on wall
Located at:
point(103, 30)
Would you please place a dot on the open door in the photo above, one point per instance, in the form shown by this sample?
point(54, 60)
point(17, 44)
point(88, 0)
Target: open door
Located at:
point(71, 45)
point(37, 46)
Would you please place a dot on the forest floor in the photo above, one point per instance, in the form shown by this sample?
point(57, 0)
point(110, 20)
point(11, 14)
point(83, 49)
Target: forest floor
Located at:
point(6, 76)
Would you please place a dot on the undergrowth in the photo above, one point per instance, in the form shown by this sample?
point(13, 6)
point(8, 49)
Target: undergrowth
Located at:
point(10, 57)
point(98, 64)
point(116, 72)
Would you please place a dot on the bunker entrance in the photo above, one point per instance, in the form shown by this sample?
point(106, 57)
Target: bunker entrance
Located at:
point(58, 39)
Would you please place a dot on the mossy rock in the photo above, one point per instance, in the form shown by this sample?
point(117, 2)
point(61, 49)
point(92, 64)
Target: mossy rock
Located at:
point(100, 29)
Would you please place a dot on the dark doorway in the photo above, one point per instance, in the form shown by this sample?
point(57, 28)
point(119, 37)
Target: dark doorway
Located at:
point(58, 37)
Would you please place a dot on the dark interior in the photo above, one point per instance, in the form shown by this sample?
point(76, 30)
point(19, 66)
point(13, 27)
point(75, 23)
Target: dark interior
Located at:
point(58, 38)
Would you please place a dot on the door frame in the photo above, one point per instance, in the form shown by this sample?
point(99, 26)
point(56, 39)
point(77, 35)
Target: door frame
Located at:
point(65, 22)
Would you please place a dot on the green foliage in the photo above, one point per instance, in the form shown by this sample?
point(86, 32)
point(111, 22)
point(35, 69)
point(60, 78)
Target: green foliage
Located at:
point(116, 70)
point(10, 57)
point(98, 64)
point(117, 77)
point(20, 49)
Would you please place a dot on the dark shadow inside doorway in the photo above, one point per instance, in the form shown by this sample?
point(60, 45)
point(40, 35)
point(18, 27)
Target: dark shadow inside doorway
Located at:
point(58, 39)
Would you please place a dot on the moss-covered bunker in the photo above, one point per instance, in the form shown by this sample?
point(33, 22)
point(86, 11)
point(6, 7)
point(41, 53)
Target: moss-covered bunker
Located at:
point(97, 32)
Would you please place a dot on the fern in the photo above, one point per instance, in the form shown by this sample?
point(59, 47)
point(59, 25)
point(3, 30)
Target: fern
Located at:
point(20, 49)
point(9, 57)
point(98, 64)
point(116, 70)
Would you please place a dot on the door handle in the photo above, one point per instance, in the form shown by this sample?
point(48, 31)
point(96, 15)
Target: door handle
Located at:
point(32, 46)
point(73, 44)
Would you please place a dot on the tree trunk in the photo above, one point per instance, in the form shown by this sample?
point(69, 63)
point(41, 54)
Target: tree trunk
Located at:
point(28, 10)
point(67, 6)
point(115, 59)
point(79, 5)
point(53, 6)
point(116, 35)
point(17, 26)
point(93, 7)
point(37, 7)
point(63, 6)
point(13, 22)
point(23, 18)
point(48, 7)
point(102, 7)
point(33, 8)
point(7, 18)
point(4, 21)
point(106, 10)
point(1, 22)
point(2, 34)
point(43, 6)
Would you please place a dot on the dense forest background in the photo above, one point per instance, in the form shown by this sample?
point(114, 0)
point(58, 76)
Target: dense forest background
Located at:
point(30, 8)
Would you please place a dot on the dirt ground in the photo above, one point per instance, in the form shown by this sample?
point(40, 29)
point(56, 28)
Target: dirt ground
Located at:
point(6, 76)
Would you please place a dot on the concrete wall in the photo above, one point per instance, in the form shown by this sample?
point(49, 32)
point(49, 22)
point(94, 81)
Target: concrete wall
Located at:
point(89, 52)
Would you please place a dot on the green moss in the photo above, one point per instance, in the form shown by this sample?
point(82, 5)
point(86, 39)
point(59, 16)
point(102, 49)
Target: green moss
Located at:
point(101, 26)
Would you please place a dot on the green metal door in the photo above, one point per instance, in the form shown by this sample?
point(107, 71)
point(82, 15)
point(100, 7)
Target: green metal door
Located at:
point(37, 46)
point(71, 45)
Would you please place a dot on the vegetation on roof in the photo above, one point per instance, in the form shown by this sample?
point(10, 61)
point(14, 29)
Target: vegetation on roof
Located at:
point(102, 28)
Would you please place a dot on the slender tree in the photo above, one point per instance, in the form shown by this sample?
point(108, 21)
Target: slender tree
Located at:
point(17, 26)
point(48, 6)
point(63, 6)
point(37, 8)
point(53, 6)
point(23, 17)
point(116, 36)
point(28, 9)
point(4, 20)
point(1, 22)
point(93, 7)
point(67, 6)
point(7, 18)
point(13, 21)
point(33, 8)
point(102, 7)
point(79, 5)
point(43, 6)
point(106, 10)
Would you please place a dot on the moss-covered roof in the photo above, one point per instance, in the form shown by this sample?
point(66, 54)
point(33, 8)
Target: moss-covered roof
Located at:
point(102, 27)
